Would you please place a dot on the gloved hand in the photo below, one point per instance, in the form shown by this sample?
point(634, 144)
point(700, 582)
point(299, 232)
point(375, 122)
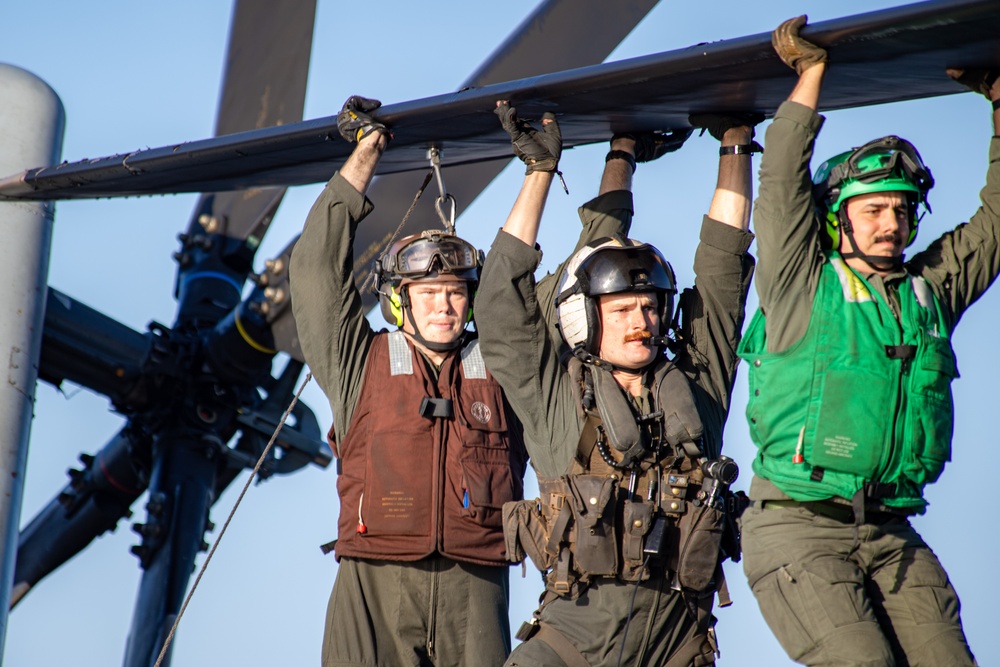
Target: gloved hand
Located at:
point(652, 145)
point(977, 79)
point(718, 123)
point(793, 50)
point(354, 122)
point(540, 151)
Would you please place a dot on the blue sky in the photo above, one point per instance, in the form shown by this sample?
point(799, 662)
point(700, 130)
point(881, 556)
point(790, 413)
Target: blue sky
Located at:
point(134, 75)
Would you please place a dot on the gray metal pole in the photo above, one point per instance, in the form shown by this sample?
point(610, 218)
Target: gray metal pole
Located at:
point(31, 131)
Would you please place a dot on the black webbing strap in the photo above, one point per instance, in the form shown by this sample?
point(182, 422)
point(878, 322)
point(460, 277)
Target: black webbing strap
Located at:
point(870, 491)
point(900, 351)
point(562, 646)
point(436, 408)
point(588, 439)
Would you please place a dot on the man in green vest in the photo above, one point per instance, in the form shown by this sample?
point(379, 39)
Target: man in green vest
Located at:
point(850, 371)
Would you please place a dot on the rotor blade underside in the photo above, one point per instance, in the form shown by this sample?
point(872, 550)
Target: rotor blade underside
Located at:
point(558, 35)
point(886, 56)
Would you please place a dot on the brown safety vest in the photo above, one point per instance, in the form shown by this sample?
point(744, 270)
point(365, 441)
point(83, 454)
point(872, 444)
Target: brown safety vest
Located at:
point(428, 462)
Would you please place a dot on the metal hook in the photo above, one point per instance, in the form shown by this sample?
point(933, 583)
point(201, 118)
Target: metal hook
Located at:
point(448, 220)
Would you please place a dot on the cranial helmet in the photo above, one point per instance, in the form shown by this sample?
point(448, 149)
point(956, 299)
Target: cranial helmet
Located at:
point(889, 164)
point(610, 266)
point(433, 255)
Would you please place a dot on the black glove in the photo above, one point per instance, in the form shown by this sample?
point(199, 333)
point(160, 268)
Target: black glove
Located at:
point(977, 79)
point(540, 151)
point(354, 122)
point(795, 51)
point(718, 123)
point(652, 145)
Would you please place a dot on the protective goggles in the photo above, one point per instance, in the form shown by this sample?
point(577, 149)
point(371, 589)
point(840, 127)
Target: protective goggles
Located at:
point(880, 159)
point(419, 256)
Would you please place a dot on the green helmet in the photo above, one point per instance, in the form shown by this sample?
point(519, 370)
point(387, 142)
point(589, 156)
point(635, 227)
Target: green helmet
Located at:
point(889, 164)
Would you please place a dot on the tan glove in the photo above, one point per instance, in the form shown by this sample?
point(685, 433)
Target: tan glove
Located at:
point(978, 80)
point(793, 50)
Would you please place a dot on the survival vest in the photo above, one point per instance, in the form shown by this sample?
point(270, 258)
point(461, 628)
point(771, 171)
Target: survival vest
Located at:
point(650, 519)
point(862, 400)
point(428, 462)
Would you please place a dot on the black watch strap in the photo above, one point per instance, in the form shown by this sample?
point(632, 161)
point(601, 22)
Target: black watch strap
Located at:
point(621, 155)
point(741, 149)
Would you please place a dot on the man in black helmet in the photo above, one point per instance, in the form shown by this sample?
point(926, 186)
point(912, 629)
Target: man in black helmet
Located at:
point(625, 439)
point(428, 449)
point(850, 371)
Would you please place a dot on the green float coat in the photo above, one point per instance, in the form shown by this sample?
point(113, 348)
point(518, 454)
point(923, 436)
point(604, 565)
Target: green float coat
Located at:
point(838, 398)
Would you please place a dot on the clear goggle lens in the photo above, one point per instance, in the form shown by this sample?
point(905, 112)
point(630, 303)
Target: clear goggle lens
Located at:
point(450, 254)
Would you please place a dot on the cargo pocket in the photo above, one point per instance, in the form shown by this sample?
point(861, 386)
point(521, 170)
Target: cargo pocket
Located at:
point(772, 593)
point(489, 482)
point(526, 533)
point(700, 537)
point(481, 411)
point(844, 443)
point(397, 498)
point(810, 603)
point(931, 382)
point(593, 506)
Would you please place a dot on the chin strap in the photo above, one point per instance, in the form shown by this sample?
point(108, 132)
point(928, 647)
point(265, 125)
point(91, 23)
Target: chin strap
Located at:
point(875, 262)
point(404, 300)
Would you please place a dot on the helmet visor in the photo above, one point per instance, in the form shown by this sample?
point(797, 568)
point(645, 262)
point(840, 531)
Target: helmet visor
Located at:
point(450, 253)
point(633, 269)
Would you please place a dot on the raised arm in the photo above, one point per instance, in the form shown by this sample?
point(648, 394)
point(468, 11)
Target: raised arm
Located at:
point(964, 262)
point(332, 328)
point(713, 312)
point(788, 231)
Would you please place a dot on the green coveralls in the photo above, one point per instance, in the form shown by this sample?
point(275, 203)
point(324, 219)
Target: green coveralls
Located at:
point(830, 599)
point(435, 611)
point(523, 354)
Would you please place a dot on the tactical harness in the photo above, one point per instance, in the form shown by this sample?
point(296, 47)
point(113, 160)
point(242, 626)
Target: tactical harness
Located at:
point(589, 524)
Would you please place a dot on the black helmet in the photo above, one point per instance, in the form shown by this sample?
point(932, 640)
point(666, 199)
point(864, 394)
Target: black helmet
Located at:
point(610, 266)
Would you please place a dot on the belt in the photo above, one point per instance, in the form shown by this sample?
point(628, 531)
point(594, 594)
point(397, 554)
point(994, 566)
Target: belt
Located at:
point(878, 514)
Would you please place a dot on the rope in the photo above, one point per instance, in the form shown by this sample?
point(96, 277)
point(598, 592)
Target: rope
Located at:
point(371, 274)
point(208, 559)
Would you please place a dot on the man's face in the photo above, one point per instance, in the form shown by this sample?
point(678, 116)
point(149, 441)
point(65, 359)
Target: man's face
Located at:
point(626, 321)
point(440, 309)
point(881, 224)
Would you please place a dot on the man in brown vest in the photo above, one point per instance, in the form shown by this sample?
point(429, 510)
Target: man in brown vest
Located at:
point(428, 449)
point(625, 440)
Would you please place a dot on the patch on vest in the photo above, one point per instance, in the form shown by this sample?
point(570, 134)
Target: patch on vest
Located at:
point(481, 413)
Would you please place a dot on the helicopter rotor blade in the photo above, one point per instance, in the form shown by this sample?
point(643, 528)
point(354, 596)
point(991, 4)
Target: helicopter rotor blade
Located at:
point(558, 35)
point(89, 348)
point(97, 497)
point(264, 85)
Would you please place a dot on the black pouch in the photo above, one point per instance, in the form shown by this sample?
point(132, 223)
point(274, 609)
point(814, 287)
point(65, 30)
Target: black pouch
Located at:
point(526, 533)
point(700, 537)
point(595, 552)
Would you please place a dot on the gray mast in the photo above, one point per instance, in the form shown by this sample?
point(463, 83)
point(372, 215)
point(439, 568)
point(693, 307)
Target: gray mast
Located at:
point(31, 132)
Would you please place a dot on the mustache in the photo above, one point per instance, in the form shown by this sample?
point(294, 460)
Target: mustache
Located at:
point(890, 237)
point(637, 335)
